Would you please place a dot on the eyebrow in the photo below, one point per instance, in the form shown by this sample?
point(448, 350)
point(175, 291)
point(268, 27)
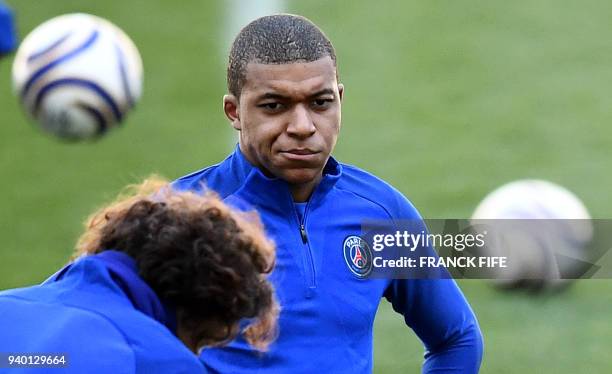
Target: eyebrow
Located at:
point(270, 95)
point(325, 91)
point(276, 96)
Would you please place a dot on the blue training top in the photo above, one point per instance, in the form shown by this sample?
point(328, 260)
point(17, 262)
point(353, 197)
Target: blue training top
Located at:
point(8, 37)
point(327, 311)
point(100, 315)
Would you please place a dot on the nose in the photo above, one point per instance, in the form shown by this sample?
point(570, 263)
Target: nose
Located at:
point(301, 125)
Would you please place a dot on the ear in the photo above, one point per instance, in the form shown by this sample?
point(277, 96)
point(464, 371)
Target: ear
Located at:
point(341, 90)
point(232, 112)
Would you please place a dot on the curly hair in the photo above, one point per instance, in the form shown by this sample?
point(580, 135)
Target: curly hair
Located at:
point(209, 261)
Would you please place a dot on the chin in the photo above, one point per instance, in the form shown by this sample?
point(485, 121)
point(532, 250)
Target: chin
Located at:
point(300, 176)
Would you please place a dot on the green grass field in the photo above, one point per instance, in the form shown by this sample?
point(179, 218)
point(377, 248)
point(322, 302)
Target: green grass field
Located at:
point(444, 99)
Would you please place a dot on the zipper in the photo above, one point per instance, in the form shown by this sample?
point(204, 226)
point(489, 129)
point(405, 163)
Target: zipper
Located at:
point(303, 233)
point(311, 281)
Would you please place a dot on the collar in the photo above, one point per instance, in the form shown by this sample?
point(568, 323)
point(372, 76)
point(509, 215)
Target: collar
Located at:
point(124, 273)
point(257, 188)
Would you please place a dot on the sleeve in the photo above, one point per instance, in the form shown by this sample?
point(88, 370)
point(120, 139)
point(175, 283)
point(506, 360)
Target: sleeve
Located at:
point(8, 38)
point(441, 317)
point(439, 314)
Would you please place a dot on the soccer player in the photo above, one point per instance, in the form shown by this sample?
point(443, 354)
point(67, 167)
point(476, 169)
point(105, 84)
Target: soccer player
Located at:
point(161, 274)
point(285, 100)
point(8, 39)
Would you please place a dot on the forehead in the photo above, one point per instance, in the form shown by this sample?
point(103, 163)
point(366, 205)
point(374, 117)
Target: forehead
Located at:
point(294, 79)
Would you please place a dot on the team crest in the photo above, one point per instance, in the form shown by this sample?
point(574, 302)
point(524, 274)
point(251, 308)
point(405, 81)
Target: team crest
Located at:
point(357, 256)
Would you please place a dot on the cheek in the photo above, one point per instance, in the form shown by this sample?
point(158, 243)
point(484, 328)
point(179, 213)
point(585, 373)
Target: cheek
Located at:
point(330, 125)
point(260, 134)
point(251, 130)
point(269, 130)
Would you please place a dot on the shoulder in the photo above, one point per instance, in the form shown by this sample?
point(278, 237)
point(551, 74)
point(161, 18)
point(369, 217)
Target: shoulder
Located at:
point(376, 190)
point(195, 181)
point(156, 349)
point(66, 329)
point(136, 342)
point(219, 178)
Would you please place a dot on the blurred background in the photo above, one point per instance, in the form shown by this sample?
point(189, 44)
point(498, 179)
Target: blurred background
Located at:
point(446, 100)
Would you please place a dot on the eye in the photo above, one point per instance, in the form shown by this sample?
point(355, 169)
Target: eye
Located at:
point(273, 106)
point(321, 103)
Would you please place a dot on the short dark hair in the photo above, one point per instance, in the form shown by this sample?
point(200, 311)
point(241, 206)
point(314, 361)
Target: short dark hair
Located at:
point(275, 39)
point(205, 259)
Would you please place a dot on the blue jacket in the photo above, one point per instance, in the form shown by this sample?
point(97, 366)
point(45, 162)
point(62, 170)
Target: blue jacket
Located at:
point(8, 37)
point(100, 314)
point(328, 311)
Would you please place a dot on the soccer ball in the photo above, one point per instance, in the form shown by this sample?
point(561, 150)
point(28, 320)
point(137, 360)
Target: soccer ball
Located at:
point(542, 254)
point(77, 75)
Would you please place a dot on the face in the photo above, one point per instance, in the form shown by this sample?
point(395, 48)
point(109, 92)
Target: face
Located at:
point(288, 116)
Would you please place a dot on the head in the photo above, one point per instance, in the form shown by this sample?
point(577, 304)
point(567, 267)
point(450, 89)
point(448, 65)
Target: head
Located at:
point(206, 260)
point(284, 97)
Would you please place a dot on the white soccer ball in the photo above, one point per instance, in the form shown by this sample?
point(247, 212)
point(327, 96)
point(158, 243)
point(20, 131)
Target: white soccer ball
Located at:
point(544, 253)
point(77, 75)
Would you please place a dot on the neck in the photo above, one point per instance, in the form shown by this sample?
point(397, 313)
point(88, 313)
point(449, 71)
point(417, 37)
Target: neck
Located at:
point(301, 192)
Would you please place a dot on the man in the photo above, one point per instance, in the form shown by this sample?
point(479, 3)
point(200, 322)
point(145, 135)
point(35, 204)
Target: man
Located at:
point(8, 39)
point(156, 268)
point(285, 101)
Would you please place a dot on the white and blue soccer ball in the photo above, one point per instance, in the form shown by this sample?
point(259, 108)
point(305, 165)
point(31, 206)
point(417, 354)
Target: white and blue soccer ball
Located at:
point(542, 227)
point(77, 76)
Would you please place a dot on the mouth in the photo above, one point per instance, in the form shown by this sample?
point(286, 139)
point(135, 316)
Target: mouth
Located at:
point(300, 154)
point(301, 151)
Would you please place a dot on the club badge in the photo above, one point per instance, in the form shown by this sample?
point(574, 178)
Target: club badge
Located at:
point(357, 256)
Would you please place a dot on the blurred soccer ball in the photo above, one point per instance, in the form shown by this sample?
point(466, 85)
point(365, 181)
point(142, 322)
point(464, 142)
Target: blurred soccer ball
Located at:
point(545, 252)
point(77, 75)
